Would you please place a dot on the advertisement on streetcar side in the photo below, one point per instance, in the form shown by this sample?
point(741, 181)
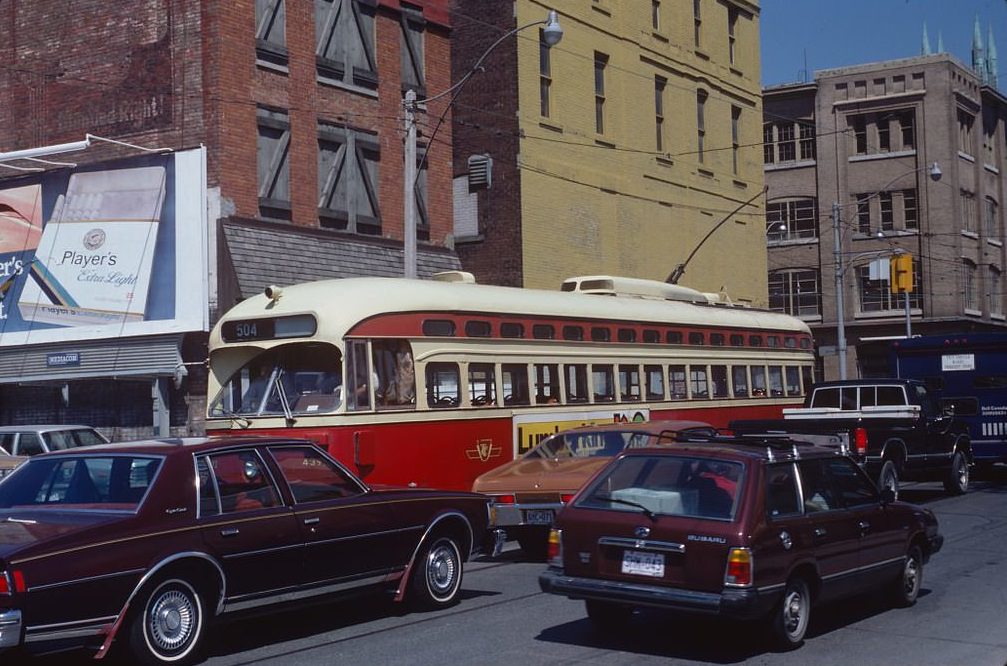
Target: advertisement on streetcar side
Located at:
point(530, 429)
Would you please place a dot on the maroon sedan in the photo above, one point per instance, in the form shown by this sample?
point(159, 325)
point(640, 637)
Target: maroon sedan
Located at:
point(146, 542)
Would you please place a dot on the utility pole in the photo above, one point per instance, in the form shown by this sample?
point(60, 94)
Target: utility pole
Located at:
point(409, 178)
point(837, 255)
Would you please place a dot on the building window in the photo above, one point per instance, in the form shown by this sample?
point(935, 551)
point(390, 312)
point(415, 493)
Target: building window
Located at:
point(544, 74)
point(735, 137)
point(887, 212)
point(863, 204)
point(807, 140)
point(271, 31)
point(348, 170)
point(655, 15)
point(768, 147)
point(995, 296)
point(968, 202)
point(344, 42)
point(965, 138)
point(660, 83)
point(700, 124)
point(600, 63)
point(884, 135)
point(877, 296)
point(989, 140)
point(859, 126)
point(795, 292)
point(732, 34)
point(991, 219)
point(697, 18)
point(792, 219)
point(969, 285)
point(785, 146)
point(910, 209)
point(411, 50)
point(907, 129)
point(273, 163)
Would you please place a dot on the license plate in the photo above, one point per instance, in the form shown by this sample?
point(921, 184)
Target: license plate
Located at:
point(538, 517)
point(639, 563)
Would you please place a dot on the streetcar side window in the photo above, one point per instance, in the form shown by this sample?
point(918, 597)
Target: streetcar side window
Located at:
point(759, 382)
point(629, 382)
point(793, 381)
point(442, 385)
point(718, 373)
point(358, 394)
point(676, 382)
point(775, 380)
point(603, 379)
point(546, 383)
point(655, 382)
point(699, 381)
point(575, 375)
point(515, 384)
point(482, 384)
point(739, 377)
point(395, 372)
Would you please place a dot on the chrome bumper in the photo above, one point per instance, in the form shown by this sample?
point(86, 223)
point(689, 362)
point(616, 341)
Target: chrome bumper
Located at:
point(10, 628)
point(512, 515)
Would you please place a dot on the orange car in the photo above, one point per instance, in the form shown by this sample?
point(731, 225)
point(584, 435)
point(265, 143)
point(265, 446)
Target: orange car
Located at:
point(529, 491)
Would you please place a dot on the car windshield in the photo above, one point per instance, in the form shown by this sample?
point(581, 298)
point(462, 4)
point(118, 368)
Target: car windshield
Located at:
point(307, 378)
point(606, 444)
point(668, 485)
point(111, 483)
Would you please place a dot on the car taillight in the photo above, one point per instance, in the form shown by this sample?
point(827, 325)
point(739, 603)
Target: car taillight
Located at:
point(555, 552)
point(565, 499)
point(739, 567)
point(503, 499)
point(860, 441)
point(5, 586)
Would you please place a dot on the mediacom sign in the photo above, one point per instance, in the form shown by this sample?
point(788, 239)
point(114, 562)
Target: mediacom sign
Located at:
point(105, 251)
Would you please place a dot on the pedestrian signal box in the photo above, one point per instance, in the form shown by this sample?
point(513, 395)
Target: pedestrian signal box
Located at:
point(901, 274)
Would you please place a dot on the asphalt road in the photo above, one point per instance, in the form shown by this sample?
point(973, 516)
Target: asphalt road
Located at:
point(960, 617)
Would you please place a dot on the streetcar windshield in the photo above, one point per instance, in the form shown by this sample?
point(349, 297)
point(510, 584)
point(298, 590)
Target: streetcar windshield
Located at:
point(303, 378)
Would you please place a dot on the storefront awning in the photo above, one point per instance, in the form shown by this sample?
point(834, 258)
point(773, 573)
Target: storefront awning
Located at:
point(153, 356)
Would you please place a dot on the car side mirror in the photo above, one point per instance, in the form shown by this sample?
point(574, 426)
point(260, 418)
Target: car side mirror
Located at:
point(887, 496)
point(948, 410)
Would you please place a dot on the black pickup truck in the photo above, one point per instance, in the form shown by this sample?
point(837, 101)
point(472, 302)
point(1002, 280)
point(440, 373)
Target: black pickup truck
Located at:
point(894, 428)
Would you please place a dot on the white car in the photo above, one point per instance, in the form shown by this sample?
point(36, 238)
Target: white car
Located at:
point(30, 440)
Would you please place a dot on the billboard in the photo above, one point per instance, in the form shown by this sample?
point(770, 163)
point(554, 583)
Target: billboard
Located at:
point(107, 250)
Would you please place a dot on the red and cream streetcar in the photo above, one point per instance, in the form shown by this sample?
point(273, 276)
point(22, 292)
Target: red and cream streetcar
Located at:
point(434, 382)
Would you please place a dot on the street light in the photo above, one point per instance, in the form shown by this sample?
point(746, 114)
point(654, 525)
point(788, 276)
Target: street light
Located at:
point(552, 33)
point(934, 170)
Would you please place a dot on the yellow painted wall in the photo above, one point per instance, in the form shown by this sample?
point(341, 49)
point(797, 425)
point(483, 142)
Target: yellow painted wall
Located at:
point(609, 203)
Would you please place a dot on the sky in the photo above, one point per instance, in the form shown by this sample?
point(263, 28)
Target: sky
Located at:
point(839, 33)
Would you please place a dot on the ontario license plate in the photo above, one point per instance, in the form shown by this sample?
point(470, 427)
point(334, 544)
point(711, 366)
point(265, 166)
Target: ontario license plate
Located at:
point(538, 517)
point(639, 563)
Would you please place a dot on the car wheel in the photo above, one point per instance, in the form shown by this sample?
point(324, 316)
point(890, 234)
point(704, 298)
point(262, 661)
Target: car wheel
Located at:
point(791, 616)
point(535, 544)
point(437, 574)
point(907, 586)
point(169, 625)
point(608, 616)
point(889, 477)
point(957, 481)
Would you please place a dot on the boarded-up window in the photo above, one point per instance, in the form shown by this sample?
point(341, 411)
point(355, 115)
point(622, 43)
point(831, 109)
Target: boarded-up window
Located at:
point(273, 164)
point(348, 164)
point(344, 41)
point(271, 31)
point(411, 49)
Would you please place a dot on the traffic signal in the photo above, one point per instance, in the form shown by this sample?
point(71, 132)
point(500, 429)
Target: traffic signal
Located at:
point(901, 274)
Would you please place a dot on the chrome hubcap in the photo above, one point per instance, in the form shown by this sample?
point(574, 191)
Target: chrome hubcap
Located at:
point(442, 569)
point(911, 577)
point(171, 620)
point(963, 474)
point(793, 612)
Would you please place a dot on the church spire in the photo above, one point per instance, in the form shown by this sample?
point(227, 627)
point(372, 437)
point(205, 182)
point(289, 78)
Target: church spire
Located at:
point(978, 61)
point(940, 42)
point(925, 50)
point(991, 58)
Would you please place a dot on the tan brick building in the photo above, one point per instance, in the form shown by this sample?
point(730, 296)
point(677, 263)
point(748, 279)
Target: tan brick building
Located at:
point(615, 151)
point(849, 165)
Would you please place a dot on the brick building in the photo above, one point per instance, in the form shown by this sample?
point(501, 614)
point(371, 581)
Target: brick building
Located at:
point(299, 106)
point(615, 151)
point(849, 165)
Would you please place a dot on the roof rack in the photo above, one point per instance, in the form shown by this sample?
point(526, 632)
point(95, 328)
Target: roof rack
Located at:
point(777, 445)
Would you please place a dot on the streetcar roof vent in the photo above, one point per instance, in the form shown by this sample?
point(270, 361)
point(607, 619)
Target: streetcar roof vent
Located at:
point(607, 285)
point(455, 276)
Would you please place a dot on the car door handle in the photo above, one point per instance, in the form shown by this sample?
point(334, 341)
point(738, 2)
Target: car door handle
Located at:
point(312, 521)
point(820, 532)
point(229, 532)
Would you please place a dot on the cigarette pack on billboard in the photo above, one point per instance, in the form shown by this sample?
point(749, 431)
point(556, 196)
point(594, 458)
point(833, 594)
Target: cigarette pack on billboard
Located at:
point(94, 259)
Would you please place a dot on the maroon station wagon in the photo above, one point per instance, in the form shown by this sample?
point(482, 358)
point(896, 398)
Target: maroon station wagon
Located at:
point(736, 527)
point(147, 542)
